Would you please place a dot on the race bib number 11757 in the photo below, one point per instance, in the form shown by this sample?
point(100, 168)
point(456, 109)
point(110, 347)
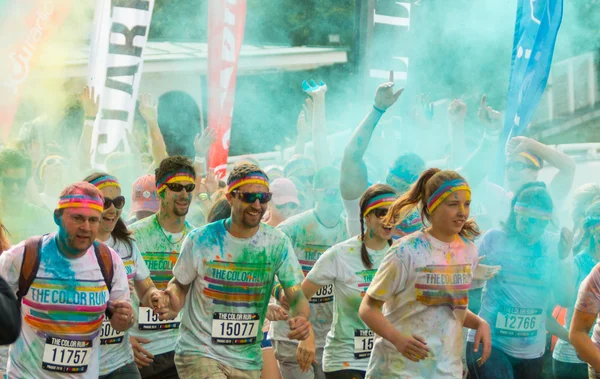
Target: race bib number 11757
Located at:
point(63, 355)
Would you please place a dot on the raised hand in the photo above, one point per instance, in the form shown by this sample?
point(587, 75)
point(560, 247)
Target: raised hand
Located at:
point(307, 107)
point(489, 117)
point(457, 111)
point(148, 108)
point(313, 89)
point(211, 182)
point(304, 128)
point(204, 141)
point(385, 96)
point(565, 244)
point(89, 101)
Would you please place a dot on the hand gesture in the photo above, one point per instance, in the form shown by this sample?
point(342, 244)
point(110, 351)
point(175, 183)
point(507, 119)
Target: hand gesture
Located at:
point(142, 357)
point(412, 347)
point(485, 272)
point(276, 313)
point(307, 107)
point(565, 244)
point(457, 111)
point(483, 336)
point(304, 128)
point(313, 89)
point(422, 110)
point(299, 328)
point(385, 96)
point(89, 101)
point(211, 182)
point(204, 141)
point(148, 108)
point(489, 117)
point(519, 144)
point(306, 354)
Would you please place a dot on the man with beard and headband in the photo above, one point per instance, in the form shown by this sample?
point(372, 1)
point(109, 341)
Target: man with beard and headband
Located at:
point(224, 276)
point(312, 232)
point(159, 238)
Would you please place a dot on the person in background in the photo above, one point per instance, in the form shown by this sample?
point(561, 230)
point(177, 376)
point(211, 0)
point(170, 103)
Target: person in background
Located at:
point(301, 170)
point(566, 364)
point(144, 198)
point(220, 210)
point(274, 172)
point(246, 159)
point(422, 285)
point(284, 203)
point(311, 232)
point(583, 197)
point(53, 173)
point(21, 219)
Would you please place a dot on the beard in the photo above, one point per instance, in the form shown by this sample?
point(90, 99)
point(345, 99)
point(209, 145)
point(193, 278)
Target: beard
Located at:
point(248, 222)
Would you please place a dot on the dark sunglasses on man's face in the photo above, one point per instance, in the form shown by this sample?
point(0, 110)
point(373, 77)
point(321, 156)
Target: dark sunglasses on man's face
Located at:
point(176, 187)
point(251, 197)
point(119, 202)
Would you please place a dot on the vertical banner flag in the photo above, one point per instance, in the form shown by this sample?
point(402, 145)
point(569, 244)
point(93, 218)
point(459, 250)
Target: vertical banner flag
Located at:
point(26, 27)
point(118, 39)
point(536, 29)
point(226, 20)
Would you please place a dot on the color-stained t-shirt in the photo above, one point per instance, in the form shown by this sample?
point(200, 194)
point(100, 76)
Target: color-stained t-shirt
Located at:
point(62, 312)
point(160, 250)
point(515, 301)
point(588, 299)
point(423, 283)
point(350, 341)
point(310, 239)
point(115, 349)
point(230, 285)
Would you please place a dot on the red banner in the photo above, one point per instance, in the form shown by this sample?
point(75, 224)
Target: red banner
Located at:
point(28, 26)
point(226, 20)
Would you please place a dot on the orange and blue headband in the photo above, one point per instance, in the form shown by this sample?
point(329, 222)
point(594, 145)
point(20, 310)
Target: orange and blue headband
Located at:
point(105, 181)
point(175, 177)
point(447, 188)
point(384, 200)
point(81, 201)
point(527, 210)
point(535, 160)
point(253, 178)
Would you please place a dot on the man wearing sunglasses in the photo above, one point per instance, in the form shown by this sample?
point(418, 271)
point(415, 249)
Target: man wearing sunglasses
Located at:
point(312, 232)
point(225, 274)
point(159, 238)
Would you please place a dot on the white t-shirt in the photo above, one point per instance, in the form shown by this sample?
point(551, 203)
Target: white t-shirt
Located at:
point(349, 342)
point(62, 312)
point(588, 299)
point(230, 286)
point(115, 349)
point(424, 284)
point(310, 239)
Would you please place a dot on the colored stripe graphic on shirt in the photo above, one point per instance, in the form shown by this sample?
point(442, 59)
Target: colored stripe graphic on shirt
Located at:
point(444, 285)
point(311, 253)
point(160, 265)
point(74, 308)
point(367, 277)
point(237, 284)
point(129, 268)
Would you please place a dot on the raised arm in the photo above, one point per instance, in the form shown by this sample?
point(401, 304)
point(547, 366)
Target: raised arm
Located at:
point(90, 103)
point(304, 127)
point(149, 110)
point(202, 144)
point(319, 126)
point(353, 180)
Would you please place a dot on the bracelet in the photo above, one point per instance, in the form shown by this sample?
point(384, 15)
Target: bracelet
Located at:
point(382, 111)
point(277, 291)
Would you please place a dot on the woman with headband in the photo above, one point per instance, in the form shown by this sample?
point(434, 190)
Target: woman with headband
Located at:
point(350, 267)
point(116, 354)
point(422, 285)
point(515, 302)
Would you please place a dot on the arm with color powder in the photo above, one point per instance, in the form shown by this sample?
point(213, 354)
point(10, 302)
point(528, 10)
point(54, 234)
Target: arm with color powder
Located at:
point(482, 335)
point(353, 179)
point(149, 111)
point(299, 324)
point(90, 104)
point(320, 143)
point(304, 127)
point(587, 307)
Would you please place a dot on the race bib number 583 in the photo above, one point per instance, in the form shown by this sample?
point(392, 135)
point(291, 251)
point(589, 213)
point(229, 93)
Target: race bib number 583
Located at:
point(323, 295)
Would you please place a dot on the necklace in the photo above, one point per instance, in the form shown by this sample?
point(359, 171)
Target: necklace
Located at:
point(167, 237)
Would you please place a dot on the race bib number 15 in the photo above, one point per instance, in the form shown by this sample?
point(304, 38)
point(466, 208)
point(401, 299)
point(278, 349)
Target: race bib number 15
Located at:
point(149, 321)
point(363, 343)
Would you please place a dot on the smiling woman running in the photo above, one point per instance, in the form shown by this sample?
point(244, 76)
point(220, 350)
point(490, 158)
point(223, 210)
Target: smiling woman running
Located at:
point(422, 285)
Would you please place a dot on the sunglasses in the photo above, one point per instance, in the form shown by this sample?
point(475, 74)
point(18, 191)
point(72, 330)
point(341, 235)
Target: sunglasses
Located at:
point(251, 197)
point(176, 187)
point(54, 161)
point(380, 212)
point(119, 202)
point(291, 206)
point(520, 166)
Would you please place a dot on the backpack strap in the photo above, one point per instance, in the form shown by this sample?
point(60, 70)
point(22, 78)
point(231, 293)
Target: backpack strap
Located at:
point(30, 265)
point(104, 257)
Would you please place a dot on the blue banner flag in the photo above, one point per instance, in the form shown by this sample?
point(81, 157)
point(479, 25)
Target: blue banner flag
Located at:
point(536, 29)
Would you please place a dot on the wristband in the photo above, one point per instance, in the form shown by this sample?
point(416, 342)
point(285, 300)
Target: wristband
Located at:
point(382, 111)
point(277, 291)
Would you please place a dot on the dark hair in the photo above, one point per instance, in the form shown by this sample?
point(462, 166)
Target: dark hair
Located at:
point(14, 159)
point(173, 164)
point(244, 170)
point(418, 195)
point(120, 232)
point(371, 192)
point(533, 193)
point(220, 210)
point(407, 167)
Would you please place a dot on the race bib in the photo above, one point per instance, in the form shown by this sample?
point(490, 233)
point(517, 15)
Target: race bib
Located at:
point(323, 295)
point(64, 355)
point(235, 328)
point(109, 336)
point(149, 321)
point(363, 343)
point(519, 322)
